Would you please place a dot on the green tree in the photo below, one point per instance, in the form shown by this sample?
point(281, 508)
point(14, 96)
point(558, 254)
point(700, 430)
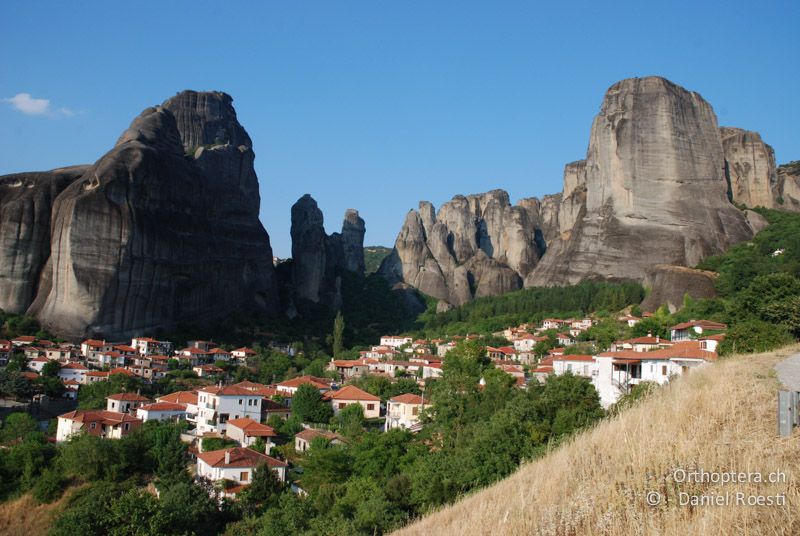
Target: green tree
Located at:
point(309, 406)
point(17, 426)
point(350, 421)
point(51, 369)
point(338, 335)
point(754, 336)
point(265, 487)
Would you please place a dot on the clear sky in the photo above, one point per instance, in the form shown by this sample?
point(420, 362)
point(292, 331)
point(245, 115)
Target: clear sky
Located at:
point(376, 105)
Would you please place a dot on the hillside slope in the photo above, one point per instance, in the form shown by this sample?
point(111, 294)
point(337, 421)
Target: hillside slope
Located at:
point(721, 418)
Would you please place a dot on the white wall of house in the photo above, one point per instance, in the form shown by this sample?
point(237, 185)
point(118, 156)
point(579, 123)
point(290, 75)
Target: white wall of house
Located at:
point(160, 415)
point(242, 475)
point(66, 428)
point(400, 415)
point(222, 408)
point(372, 409)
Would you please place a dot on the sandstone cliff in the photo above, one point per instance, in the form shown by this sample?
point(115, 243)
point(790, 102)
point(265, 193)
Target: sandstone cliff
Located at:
point(478, 245)
point(655, 189)
point(151, 237)
point(26, 200)
point(652, 190)
point(788, 187)
point(318, 259)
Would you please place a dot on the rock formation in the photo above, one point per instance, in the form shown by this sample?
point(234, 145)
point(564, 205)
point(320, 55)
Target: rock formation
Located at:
point(655, 189)
point(749, 168)
point(478, 245)
point(652, 190)
point(318, 260)
point(26, 200)
point(162, 230)
point(670, 284)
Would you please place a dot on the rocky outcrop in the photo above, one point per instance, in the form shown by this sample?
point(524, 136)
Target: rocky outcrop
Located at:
point(26, 200)
point(654, 186)
point(749, 168)
point(478, 245)
point(318, 260)
point(151, 237)
point(788, 187)
point(668, 285)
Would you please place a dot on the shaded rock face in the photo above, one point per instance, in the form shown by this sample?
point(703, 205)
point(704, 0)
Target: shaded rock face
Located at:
point(669, 284)
point(478, 245)
point(749, 168)
point(26, 200)
point(788, 187)
point(655, 189)
point(150, 238)
point(318, 259)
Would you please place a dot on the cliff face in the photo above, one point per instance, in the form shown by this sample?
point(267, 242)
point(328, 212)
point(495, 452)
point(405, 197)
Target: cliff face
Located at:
point(478, 245)
point(149, 237)
point(318, 259)
point(749, 168)
point(652, 190)
point(26, 200)
point(788, 187)
point(655, 189)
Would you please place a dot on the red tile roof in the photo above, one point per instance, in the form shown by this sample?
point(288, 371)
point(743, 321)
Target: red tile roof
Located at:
point(408, 398)
point(128, 397)
point(228, 390)
point(163, 406)
point(73, 366)
point(252, 428)
point(239, 457)
point(351, 392)
point(180, 397)
point(576, 357)
point(310, 433)
point(297, 382)
point(680, 350)
point(705, 324)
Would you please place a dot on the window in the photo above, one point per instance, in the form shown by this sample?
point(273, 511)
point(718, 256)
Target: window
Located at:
point(94, 425)
point(342, 405)
point(127, 426)
point(240, 401)
point(415, 411)
point(223, 417)
point(370, 407)
point(663, 370)
point(243, 476)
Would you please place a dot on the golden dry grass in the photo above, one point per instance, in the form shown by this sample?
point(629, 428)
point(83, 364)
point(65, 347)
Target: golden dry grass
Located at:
point(26, 517)
point(722, 418)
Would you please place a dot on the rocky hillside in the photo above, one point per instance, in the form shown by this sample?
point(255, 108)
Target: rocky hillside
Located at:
point(721, 418)
point(161, 230)
point(657, 188)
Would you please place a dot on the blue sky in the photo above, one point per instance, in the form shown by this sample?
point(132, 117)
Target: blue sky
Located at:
point(377, 105)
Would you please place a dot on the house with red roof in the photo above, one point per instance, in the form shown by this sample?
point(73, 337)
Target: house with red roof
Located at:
point(161, 411)
point(349, 368)
point(641, 344)
point(303, 438)
point(236, 465)
point(73, 371)
point(403, 411)
point(618, 371)
point(350, 394)
point(579, 365)
point(125, 402)
point(243, 353)
point(688, 330)
point(150, 346)
point(217, 405)
point(110, 424)
point(23, 340)
point(288, 387)
point(246, 431)
point(188, 399)
point(503, 352)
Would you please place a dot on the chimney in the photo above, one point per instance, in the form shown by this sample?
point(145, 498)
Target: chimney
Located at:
point(649, 333)
point(658, 339)
point(227, 457)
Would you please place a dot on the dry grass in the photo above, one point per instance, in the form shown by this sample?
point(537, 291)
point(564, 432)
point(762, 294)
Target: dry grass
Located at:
point(720, 418)
point(26, 517)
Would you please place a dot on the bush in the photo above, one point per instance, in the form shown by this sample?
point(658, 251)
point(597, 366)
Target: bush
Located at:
point(49, 486)
point(754, 336)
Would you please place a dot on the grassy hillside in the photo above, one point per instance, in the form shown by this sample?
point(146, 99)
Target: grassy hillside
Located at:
point(25, 516)
point(373, 257)
point(720, 418)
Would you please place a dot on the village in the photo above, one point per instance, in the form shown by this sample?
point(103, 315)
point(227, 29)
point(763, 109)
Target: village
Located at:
point(242, 416)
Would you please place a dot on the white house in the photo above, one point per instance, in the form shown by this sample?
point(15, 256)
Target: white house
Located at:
point(617, 372)
point(403, 411)
point(246, 431)
point(73, 371)
point(395, 340)
point(37, 364)
point(91, 347)
point(350, 394)
point(524, 342)
point(125, 402)
point(303, 438)
point(217, 405)
point(579, 365)
point(290, 386)
point(686, 330)
point(243, 353)
point(184, 398)
point(161, 411)
point(150, 346)
point(110, 424)
point(641, 344)
point(236, 464)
